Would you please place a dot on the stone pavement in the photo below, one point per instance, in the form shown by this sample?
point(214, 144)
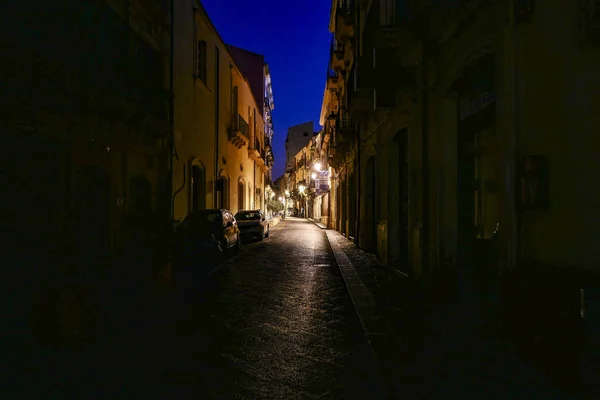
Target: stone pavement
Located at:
point(274, 322)
point(434, 352)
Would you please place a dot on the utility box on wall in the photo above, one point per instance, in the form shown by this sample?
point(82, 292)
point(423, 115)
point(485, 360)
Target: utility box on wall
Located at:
point(533, 183)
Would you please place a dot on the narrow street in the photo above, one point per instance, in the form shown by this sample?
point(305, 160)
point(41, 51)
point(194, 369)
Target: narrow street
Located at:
point(275, 322)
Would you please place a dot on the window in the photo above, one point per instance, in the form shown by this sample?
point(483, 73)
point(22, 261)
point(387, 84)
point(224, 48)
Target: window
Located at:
point(198, 188)
point(305, 133)
point(390, 11)
point(201, 60)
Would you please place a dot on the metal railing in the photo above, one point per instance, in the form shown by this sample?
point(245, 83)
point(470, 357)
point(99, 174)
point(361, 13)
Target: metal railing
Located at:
point(239, 124)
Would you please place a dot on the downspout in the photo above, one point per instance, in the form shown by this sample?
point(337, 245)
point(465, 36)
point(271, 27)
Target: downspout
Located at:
point(177, 192)
point(172, 150)
point(217, 89)
point(254, 145)
point(358, 162)
point(425, 152)
point(517, 223)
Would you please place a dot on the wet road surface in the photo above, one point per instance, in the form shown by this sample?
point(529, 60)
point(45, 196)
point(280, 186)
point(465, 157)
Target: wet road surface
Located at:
point(275, 322)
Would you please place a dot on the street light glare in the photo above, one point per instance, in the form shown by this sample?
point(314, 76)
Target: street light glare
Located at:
point(287, 192)
point(314, 176)
point(318, 166)
point(301, 188)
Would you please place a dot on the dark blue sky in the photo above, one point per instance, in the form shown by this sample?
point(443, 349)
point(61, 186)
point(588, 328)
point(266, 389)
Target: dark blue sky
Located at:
point(294, 38)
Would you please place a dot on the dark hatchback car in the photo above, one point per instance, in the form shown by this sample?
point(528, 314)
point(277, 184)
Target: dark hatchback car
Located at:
point(207, 233)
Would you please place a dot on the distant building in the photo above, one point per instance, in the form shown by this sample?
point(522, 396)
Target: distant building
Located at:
point(220, 144)
point(298, 137)
point(256, 70)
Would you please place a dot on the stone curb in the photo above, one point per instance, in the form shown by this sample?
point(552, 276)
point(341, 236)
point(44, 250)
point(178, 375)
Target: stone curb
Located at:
point(317, 223)
point(359, 293)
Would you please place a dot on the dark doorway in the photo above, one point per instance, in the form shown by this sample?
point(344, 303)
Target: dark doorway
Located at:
point(223, 193)
point(344, 208)
point(92, 219)
point(398, 225)
point(475, 116)
point(198, 189)
point(241, 191)
point(370, 206)
point(352, 202)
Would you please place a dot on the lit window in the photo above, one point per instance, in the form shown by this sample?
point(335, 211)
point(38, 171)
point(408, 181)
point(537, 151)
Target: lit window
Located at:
point(201, 61)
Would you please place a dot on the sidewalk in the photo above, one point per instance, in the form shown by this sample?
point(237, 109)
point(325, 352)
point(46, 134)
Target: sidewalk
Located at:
point(431, 353)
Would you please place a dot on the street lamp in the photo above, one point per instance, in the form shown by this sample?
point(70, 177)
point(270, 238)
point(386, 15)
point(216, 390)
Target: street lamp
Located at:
point(287, 193)
point(314, 176)
point(301, 189)
point(318, 166)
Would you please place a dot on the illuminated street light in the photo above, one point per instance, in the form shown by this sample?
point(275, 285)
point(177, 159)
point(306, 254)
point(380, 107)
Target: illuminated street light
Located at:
point(287, 192)
point(318, 166)
point(272, 194)
point(314, 176)
point(301, 188)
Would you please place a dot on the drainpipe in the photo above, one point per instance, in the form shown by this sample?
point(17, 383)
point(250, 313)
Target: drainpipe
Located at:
point(254, 145)
point(217, 98)
point(425, 152)
point(358, 170)
point(176, 193)
point(515, 241)
point(172, 151)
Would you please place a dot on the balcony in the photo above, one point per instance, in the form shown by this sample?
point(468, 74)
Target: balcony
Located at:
point(337, 55)
point(391, 77)
point(332, 80)
point(255, 153)
point(345, 20)
point(392, 24)
point(360, 86)
point(239, 131)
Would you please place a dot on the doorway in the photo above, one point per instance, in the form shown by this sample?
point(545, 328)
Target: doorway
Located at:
point(398, 201)
point(476, 203)
point(198, 189)
point(241, 190)
point(370, 206)
point(92, 224)
point(352, 202)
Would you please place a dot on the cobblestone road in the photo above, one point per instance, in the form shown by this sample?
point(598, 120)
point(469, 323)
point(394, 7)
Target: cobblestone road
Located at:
point(275, 322)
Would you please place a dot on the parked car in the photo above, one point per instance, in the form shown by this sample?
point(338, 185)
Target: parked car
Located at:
point(253, 224)
point(208, 232)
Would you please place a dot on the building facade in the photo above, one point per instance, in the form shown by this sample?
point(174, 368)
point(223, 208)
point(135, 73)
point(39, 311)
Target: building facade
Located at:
point(297, 138)
point(222, 154)
point(87, 111)
point(439, 130)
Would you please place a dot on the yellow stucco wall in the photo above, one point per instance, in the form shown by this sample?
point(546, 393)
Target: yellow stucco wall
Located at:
point(194, 116)
point(559, 85)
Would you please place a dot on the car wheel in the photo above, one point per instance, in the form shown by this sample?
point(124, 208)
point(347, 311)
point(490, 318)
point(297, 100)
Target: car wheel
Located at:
point(262, 235)
point(268, 232)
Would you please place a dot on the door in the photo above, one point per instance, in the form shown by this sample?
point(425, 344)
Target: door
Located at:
point(352, 201)
point(370, 206)
point(398, 202)
point(92, 231)
point(198, 201)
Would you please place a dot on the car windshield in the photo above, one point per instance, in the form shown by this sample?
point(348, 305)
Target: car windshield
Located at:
point(247, 216)
point(202, 218)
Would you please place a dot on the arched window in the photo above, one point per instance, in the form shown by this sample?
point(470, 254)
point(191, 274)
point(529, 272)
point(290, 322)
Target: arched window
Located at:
point(250, 197)
point(241, 193)
point(223, 193)
point(197, 188)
